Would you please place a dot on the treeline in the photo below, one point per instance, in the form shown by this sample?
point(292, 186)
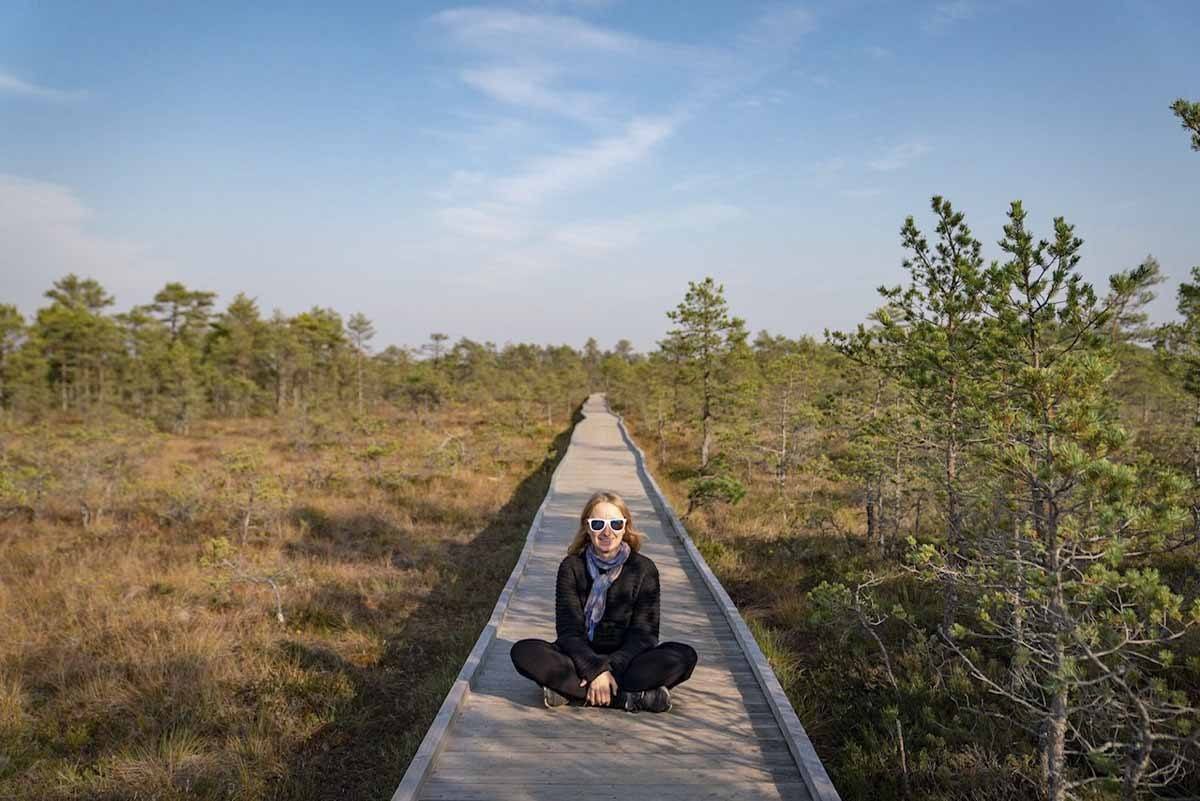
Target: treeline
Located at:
point(1022, 454)
point(178, 359)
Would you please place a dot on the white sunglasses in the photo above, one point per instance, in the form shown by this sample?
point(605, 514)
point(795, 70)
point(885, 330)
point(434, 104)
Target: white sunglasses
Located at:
point(598, 523)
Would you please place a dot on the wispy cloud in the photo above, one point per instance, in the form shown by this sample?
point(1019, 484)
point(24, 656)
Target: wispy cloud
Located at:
point(717, 182)
point(861, 193)
point(564, 171)
point(503, 209)
point(515, 31)
point(899, 156)
point(945, 14)
point(878, 53)
point(624, 232)
point(45, 233)
point(482, 132)
point(530, 87)
point(491, 221)
point(579, 5)
point(12, 85)
point(691, 183)
point(576, 69)
point(827, 168)
point(778, 26)
point(601, 237)
point(771, 97)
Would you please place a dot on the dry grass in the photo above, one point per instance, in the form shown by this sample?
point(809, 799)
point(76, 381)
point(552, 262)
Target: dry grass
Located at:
point(130, 668)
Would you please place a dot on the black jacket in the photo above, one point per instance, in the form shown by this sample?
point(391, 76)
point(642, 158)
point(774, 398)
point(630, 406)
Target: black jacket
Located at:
point(630, 622)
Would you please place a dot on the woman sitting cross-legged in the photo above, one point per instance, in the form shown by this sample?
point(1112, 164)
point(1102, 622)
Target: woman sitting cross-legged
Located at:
point(606, 613)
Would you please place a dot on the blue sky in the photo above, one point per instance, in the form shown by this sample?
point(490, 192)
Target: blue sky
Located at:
point(549, 171)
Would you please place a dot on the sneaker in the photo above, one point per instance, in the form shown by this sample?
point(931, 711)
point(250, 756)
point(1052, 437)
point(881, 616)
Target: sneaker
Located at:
point(657, 699)
point(552, 698)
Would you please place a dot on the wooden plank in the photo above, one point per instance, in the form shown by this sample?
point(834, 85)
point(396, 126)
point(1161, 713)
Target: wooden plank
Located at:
point(773, 751)
point(488, 709)
point(593, 765)
point(726, 707)
point(686, 705)
point(705, 668)
point(587, 727)
point(744, 791)
point(736, 688)
point(661, 740)
point(717, 696)
point(720, 671)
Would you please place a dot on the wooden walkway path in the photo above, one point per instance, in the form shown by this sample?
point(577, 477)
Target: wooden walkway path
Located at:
point(730, 732)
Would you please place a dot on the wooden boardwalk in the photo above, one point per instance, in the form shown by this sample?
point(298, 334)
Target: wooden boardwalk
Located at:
point(730, 732)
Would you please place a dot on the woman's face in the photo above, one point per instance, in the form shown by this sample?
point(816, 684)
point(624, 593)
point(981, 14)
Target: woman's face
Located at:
point(606, 541)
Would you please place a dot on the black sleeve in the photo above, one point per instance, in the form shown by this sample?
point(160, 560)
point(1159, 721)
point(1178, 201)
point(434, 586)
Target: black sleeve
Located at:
point(642, 632)
point(571, 629)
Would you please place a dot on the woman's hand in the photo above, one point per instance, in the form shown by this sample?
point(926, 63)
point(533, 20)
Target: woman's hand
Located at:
point(602, 689)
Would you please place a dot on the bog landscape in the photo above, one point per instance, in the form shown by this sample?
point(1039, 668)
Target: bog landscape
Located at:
point(246, 553)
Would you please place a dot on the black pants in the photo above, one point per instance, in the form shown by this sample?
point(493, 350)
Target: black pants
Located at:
point(666, 664)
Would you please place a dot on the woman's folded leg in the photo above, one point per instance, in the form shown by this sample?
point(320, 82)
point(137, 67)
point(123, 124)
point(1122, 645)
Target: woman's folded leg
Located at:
point(667, 664)
point(544, 663)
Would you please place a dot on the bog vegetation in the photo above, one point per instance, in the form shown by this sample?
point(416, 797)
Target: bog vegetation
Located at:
point(243, 556)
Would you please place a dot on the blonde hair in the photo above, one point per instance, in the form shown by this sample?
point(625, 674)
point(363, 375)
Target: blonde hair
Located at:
point(582, 539)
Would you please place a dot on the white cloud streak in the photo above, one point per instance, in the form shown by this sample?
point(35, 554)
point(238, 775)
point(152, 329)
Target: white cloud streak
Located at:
point(564, 171)
point(625, 232)
point(504, 207)
point(861, 194)
point(779, 26)
point(899, 156)
point(530, 87)
point(490, 221)
point(529, 62)
point(514, 31)
point(44, 234)
point(948, 13)
point(12, 85)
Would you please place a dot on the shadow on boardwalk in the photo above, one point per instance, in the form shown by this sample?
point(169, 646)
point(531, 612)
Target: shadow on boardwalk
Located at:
point(364, 752)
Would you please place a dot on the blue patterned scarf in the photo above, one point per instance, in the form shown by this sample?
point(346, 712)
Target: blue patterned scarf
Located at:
point(593, 610)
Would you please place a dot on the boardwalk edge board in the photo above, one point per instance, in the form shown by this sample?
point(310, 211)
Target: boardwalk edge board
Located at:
point(811, 769)
point(419, 768)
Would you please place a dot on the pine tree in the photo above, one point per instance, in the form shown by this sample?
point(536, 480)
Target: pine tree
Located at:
point(320, 339)
point(713, 352)
point(592, 357)
point(361, 332)
point(184, 316)
point(1178, 345)
point(786, 401)
point(184, 312)
point(78, 341)
point(144, 346)
point(12, 332)
point(238, 349)
point(928, 340)
point(436, 348)
point(1129, 292)
point(1189, 117)
point(1057, 592)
